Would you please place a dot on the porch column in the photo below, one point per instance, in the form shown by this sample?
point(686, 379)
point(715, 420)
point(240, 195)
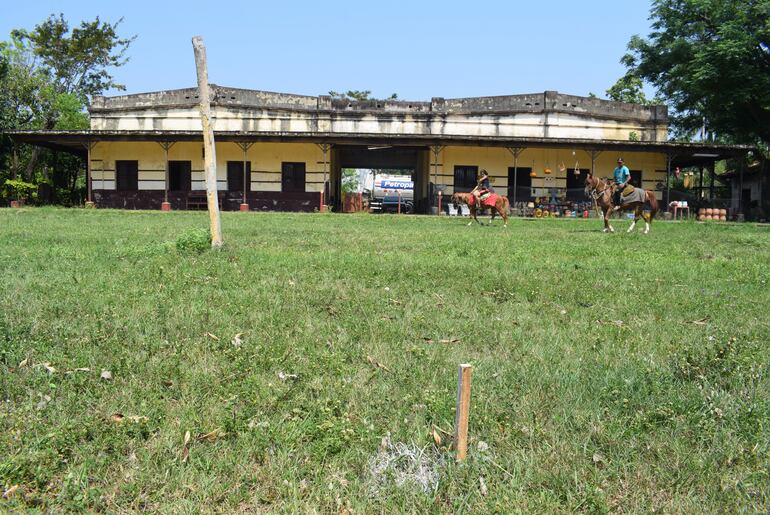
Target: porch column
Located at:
point(166, 145)
point(516, 152)
point(245, 146)
point(669, 158)
point(324, 190)
point(712, 172)
point(89, 175)
point(435, 150)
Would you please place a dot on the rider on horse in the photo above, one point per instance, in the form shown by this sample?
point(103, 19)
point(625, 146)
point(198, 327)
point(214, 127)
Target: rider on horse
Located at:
point(482, 187)
point(622, 176)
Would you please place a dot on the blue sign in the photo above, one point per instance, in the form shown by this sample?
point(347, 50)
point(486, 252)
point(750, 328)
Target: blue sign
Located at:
point(396, 185)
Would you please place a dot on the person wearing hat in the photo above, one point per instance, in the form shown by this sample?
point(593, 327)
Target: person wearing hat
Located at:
point(482, 186)
point(622, 176)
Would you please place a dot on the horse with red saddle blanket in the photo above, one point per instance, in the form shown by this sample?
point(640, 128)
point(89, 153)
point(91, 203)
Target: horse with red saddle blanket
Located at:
point(497, 203)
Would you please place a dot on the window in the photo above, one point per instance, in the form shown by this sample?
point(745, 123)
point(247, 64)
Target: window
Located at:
point(127, 175)
point(235, 175)
point(179, 173)
point(293, 177)
point(465, 177)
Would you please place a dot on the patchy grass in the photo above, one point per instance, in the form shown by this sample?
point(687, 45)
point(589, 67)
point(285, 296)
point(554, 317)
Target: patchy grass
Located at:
point(612, 372)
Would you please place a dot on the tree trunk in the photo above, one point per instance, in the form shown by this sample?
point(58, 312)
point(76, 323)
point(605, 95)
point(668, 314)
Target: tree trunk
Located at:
point(30, 169)
point(14, 162)
point(209, 149)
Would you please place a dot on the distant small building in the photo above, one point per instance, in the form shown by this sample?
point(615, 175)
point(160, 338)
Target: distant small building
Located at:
point(281, 151)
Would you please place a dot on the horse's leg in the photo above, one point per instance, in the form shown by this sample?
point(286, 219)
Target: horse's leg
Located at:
point(637, 214)
point(607, 213)
point(504, 215)
point(653, 210)
point(472, 210)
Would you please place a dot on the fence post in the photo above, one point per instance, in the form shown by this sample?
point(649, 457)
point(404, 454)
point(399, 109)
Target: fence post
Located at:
point(439, 203)
point(465, 372)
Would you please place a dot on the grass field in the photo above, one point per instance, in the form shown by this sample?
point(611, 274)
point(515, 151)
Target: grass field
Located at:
point(611, 372)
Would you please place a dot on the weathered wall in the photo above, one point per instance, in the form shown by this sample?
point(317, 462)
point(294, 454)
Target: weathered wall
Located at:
point(549, 114)
point(265, 158)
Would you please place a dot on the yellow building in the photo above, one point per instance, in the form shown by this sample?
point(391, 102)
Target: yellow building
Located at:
point(281, 151)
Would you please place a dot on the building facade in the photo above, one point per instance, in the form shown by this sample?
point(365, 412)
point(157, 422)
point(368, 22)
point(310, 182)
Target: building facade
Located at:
point(281, 151)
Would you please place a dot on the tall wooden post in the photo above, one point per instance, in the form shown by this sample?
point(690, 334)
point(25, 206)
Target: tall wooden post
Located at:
point(209, 149)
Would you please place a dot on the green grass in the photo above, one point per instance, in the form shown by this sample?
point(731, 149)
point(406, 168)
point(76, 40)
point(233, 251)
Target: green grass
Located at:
point(611, 372)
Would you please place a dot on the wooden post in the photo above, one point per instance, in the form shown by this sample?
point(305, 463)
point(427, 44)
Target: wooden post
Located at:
point(399, 202)
point(208, 142)
point(439, 203)
point(463, 407)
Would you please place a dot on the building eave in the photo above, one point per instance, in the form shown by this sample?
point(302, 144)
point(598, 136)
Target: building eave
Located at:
point(77, 139)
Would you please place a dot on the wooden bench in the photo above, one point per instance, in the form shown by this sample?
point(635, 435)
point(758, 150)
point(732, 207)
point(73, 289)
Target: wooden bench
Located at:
point(199, 201)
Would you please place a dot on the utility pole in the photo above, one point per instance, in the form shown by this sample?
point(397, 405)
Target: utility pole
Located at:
point(209, 150)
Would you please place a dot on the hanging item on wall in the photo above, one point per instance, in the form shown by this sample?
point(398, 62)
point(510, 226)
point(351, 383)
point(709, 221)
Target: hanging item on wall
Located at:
point(562, 168)
point(687, 181)
point(532, 172)
point(577, 168)
point(547, 171)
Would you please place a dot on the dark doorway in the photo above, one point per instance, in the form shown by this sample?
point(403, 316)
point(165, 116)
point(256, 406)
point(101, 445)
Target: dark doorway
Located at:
point(520, 183)
point(235, 176)
point(293, 177)
point(127, 175)
point(179, 175)
point(745, 200)
point(636, 178)
point(576, 184)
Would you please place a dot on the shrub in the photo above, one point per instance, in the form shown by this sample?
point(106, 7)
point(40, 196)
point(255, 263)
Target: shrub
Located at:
point(16, 189)
point(193, 241)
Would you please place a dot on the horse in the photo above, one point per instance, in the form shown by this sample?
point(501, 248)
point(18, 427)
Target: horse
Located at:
point(501, 206)
point(601, 191)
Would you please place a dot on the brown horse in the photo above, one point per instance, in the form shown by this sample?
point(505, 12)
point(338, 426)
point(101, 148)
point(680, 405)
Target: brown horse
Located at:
point(601, 191)
point(501, 206)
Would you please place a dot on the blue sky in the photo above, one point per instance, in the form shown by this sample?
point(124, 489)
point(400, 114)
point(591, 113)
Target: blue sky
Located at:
point(416, 49)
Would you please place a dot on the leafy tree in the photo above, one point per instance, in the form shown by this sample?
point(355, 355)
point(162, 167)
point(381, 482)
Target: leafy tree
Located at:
point(358, 95)
point(710, 59)
point(46, 78)
point(350, 180)
point(78, 62)
point(628, 89)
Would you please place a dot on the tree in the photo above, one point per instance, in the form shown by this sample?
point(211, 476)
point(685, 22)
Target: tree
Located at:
point(46, 78)
point(628, 89)
point(710, 59)
point(350, 180)
point(78, 62)
point(357, 95)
